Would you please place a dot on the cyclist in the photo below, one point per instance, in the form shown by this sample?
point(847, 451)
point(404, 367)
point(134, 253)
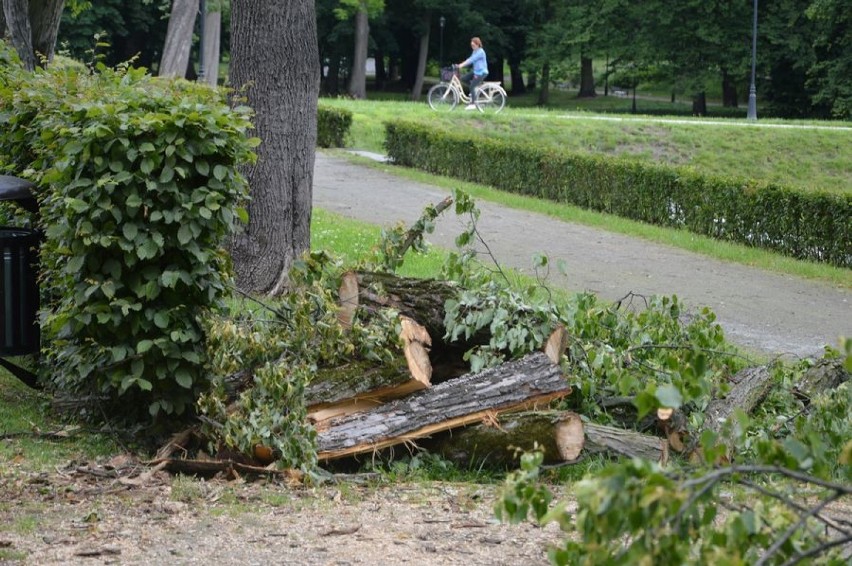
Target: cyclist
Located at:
point(479, 71)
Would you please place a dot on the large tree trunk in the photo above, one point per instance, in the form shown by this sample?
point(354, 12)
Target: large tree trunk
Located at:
point(274, 56)
point(33, 26)
point(2, 22)
point(381, 73)
point(358, 78)
point(587, 79)
point(422, 54)
point(211, 47)
point(529, 382)
point(178, 44)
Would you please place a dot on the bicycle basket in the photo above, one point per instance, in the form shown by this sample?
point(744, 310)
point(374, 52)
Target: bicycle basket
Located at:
point(447, 73)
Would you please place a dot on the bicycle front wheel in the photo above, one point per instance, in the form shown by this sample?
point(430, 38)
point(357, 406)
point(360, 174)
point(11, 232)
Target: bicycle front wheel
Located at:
point(442, 97)
point(491, 100)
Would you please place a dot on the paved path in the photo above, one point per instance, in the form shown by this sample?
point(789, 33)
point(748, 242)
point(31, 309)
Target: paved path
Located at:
point(762, 311)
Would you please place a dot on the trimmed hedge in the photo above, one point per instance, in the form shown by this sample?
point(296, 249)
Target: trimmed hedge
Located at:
point(807, 225)
point(138, 190)
point(332, 126)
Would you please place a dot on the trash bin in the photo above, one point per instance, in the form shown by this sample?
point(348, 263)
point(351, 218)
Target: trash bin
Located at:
point(19, 297)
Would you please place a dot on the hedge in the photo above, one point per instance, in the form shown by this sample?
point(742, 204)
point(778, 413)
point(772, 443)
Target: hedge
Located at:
point(138, 188)
point(807, 225)
point(332, 126)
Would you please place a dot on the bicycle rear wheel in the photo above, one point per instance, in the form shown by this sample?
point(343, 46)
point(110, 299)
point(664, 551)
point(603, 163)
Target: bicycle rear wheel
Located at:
point(491, 99)
point(442, 97)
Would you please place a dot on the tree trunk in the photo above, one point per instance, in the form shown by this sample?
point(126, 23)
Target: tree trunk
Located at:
point(587, 79)
point(178, 44)
point(2, 22)
point(332, 80)
point(544, 93)
point(531, 78)
point(393, 69)
point(381, 72)
point(518, 385)
point(422, 54)
point(518, 86)
point(358, 78)
point(274, 56)
point(211, 47)
point(750, 387)
point(823, 376)
point(729, 91)
point(699, 104)
point(33, 26)
point(561, 435)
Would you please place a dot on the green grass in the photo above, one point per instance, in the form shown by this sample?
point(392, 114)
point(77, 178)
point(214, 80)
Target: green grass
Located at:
point(24, 412)
point(726, 251)
point(812, 159)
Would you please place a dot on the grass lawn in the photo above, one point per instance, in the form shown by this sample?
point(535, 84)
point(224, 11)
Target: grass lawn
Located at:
point(771, 150)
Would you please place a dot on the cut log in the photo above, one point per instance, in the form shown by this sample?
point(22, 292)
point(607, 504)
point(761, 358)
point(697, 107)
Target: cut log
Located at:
point(561, 435)
point(358, 386)
point(749, 387)
point(532, 381)
point(823, 376)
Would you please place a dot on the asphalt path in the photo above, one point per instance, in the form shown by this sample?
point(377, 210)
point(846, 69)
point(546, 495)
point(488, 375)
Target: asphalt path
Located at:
point(762, 311)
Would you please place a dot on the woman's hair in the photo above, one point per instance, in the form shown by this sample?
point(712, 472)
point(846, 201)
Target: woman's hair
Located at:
point(476, 41)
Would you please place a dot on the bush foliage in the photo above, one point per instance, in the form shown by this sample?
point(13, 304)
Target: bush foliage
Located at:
point(138, 187)
point(332, 126)
point(814, 226)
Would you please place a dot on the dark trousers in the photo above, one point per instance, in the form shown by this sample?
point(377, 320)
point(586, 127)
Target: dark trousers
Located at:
point(472, 81)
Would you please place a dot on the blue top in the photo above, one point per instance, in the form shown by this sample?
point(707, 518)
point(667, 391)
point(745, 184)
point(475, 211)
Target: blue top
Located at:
point(477, 58)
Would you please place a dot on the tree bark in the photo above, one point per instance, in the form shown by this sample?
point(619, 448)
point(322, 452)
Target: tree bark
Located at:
point(422, 54)
point(587, 79)
point(544, 93)
point(178, 44)
point(2, 22)
point(332, 80)
point(699, 104)
point(729, 91)
point(274, 56)
point(381, 72)
point(358, 78)
point(561, 435)
point(750, 387)
point(33, 26)
point(518, 385)
point(518, 86)
point(823, 376)
point(211, 47)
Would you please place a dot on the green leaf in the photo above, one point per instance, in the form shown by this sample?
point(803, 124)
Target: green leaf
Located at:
point(143, 346)
point(130, 231)
point(220, 172)
point(161, 319)
point(167, 174)
point(184, 234)
point(183, 378)
point(669, 396)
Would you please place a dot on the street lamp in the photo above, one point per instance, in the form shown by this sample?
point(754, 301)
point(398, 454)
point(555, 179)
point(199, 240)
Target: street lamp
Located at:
point(441, 21)
point(752, 91)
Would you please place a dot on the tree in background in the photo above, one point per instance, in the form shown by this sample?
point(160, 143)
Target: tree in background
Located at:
point(33, 26)
point(175, 58)
point(275, 65)
point(831, 73)
point(361, 11)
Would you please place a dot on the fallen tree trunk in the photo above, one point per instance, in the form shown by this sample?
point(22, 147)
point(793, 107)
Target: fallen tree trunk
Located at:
point(529, 382)
point(561, 435)
point(823, 376)
point(750, 387)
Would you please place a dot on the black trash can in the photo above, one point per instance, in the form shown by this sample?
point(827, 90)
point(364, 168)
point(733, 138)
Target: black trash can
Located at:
point(19, 332)
point(19, 297)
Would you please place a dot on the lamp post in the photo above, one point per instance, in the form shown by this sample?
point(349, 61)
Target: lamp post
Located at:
point(752, 91)
point(201, 70)
point(441, 21)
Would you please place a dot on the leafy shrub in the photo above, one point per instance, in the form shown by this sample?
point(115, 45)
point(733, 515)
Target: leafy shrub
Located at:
point(332, 126)
point(814, 226)
point(138, 188)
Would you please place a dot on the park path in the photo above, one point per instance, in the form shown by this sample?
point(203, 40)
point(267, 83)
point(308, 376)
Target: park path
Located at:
point(762, 311)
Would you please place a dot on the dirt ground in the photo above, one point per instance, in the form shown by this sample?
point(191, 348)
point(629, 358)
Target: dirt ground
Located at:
point(100, 514)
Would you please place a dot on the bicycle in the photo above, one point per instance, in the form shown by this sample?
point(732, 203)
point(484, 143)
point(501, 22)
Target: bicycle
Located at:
point(446, 95)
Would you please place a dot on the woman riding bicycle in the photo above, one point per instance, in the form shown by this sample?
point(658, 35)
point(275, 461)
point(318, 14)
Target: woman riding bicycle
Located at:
point(478, 73)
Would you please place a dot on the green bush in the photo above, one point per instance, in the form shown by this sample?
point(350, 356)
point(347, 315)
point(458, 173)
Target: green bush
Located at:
point(138, 187)
point(814, 226)
point(332, 126)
